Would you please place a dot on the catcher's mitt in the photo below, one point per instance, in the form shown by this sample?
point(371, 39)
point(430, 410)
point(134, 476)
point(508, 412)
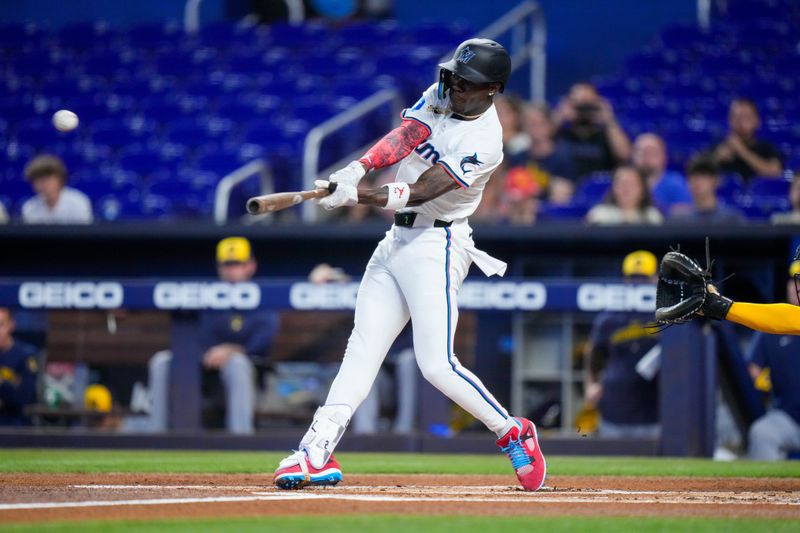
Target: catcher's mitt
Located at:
point(685, 291)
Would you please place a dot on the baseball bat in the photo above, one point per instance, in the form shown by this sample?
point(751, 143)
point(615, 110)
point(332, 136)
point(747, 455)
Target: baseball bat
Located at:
point(270, 203)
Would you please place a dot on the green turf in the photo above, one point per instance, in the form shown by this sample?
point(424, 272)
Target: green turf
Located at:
point(428, 524)
point(98, 461)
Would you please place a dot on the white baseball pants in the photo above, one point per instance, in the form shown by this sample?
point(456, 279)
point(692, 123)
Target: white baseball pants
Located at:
point(414, 273)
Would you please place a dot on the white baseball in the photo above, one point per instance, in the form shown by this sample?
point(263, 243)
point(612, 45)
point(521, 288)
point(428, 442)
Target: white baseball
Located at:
point(65, 120)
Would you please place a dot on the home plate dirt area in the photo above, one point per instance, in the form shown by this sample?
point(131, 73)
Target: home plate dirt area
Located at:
point(46, 497)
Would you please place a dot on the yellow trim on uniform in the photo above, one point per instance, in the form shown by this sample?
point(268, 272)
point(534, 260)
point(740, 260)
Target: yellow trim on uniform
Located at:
point(779, 319)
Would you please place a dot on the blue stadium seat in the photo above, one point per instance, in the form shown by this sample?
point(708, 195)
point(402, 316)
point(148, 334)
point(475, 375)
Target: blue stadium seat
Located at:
point(141, 160)
point(113, 207)
point(549, 212)
point(151, 36)
point(14, 36)
point(220, 161)
point(592, 189)
point(769, 187)
point(731, 188)
point(154, 206)
point(40, 132)
point(82, 36)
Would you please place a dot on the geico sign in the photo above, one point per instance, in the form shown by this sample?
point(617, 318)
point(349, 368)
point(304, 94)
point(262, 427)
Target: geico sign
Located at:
point(200, 295)
point(323, 296)
point(616, 297)
point(70, 295)
point(528, 296)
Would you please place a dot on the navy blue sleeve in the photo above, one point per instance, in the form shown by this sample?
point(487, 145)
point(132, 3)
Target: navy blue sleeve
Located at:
point(18, 385)
point(758, 354)
point(207, 325)
point(264, 331)
point(599, 340)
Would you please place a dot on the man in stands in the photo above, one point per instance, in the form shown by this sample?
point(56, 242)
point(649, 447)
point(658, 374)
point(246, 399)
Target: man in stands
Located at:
point(621, 362)
point(668, 188)
point(793, 216)
point(741, 152)
point(587, 123)
point(706, 208)
point(234, 342)
point(54, 203)
point(778, 431)
point(18, 369)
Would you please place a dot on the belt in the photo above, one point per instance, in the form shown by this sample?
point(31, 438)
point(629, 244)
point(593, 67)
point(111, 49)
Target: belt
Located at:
point(406, 220)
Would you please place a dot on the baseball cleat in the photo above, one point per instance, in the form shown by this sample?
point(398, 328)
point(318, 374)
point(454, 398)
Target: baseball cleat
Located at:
point(296, 472)
point(521, 445)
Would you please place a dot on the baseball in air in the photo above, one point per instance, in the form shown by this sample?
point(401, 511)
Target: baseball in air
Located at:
point(65, 120)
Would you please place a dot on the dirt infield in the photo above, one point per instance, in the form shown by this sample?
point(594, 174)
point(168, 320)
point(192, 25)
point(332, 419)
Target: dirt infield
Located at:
point(46, 497)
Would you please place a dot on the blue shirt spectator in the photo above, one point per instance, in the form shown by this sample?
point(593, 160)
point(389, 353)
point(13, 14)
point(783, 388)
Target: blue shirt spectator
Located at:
point(706, 208)
point(668, 189)
point(18, 371)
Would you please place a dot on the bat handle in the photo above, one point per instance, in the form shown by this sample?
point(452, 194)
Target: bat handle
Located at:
point(332, 188)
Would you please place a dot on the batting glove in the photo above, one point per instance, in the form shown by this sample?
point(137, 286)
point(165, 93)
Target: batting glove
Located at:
point(351, 174)
point(345, 195)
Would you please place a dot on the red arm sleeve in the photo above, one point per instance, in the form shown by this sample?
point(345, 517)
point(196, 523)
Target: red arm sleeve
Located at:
point(395, 145)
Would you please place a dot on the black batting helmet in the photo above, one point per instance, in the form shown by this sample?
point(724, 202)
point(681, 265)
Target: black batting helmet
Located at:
point(478, 61)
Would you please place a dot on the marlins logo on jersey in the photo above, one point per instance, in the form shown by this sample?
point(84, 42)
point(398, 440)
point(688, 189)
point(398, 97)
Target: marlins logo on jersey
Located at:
point(469, 160)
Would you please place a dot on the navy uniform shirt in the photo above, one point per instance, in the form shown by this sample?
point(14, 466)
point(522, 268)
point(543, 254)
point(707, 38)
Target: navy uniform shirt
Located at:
point(18, 369)
point(254, 330)
point(623, 340)
point(781, 354)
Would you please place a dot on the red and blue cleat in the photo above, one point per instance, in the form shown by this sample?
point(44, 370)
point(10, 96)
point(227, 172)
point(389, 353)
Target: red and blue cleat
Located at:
point(296, 472)
point(521, 445)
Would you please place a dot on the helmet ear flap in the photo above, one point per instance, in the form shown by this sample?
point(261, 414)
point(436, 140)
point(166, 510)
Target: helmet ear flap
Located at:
point(444, 83)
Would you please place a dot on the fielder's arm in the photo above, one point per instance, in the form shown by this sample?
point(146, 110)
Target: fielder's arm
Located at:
point(433, 183)
point(779, 319)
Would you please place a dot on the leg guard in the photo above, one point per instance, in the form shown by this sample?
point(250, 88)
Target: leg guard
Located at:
point(326, 430)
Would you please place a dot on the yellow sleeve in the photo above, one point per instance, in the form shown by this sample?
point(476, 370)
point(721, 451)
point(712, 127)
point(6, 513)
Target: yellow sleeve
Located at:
point(780, 319)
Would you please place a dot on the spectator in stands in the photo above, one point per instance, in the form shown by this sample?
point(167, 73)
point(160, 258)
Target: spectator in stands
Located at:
point(778, 431)
point(741, 152)
point(622, 361)
point(587, 123)
point(703, 178)
point(668, 188)
point(234, 344)
point(3, 214)
point(793, 216)
point(547, 161)
point(627, 202)
point(509, 110)
point(54, 203)
point(18, 369)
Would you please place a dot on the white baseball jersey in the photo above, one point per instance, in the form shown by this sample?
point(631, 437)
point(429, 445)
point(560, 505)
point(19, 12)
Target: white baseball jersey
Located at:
point(469, 150)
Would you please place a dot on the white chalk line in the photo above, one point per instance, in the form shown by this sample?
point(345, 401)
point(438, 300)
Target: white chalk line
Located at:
point(113, 503)
point(273, 496)
point(435, 494)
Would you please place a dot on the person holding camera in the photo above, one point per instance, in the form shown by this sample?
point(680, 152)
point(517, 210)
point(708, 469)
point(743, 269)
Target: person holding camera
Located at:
point(586, 122)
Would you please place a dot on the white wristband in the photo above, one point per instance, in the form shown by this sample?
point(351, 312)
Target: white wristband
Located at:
point(399, 194)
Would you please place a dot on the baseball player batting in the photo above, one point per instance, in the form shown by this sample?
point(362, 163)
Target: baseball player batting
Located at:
point(448, 145)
